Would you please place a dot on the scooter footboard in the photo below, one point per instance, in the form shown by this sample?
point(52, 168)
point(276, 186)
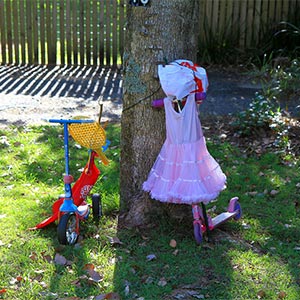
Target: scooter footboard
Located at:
point(80, 191)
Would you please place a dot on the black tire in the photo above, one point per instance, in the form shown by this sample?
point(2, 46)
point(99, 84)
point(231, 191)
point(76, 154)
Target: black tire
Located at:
point(96, 207)
point(66, 229)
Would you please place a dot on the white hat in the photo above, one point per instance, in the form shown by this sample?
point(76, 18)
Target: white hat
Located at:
point(182, 77)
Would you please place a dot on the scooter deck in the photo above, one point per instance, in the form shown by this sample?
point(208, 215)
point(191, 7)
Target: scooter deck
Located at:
point(80, 190)
point(223, 217)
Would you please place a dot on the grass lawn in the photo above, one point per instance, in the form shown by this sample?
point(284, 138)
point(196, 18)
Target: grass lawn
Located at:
point(257, 257)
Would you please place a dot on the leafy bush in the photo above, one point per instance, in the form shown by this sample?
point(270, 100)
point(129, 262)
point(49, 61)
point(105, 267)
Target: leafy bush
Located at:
point(284, 82)
point(265, 115)
point(286, 39)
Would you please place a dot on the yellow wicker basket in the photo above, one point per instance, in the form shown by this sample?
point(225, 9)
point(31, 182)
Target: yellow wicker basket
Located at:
point(91, 136)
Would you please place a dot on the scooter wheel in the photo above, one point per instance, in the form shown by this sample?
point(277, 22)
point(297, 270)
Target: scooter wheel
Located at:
point(198, 233)
point(237, 207)
point(66, 229)
point(96, 207)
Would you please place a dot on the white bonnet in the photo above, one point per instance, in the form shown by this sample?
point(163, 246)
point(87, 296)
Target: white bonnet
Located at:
point(182, 77)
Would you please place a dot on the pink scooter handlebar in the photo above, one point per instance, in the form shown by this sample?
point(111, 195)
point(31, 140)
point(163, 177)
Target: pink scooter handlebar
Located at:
point(160, 102)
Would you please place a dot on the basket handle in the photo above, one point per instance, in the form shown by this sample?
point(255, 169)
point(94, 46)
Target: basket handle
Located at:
point(100, 112)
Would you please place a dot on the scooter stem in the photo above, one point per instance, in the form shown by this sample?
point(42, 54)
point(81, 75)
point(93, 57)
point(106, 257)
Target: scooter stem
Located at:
point(66, 146)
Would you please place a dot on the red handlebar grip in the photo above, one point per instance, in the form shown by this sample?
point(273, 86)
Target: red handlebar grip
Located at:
point(68, 179)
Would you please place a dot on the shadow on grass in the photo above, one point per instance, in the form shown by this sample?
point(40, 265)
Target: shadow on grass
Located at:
point(241, 261)
point(247, 259)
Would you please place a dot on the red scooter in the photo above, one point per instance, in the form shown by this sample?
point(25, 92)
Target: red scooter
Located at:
point(72, 207)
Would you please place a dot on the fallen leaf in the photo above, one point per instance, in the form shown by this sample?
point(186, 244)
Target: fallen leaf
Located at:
point(151, 257)
point(16, 280)
point(274, 192)
point(43, 284)
point(261, 294)
point(162, 282)
point(126, 290)
point(147, 279)
point(281, 295)
point(60, 259)
point(252, 193)
point(76, 282)
point(70, 298)
point(48, 294)
point(2, 291)
point(95, 277)
point(33, 256)
point(175, 252)
point(115, 241)
point(112, 296)
point(195, 294)
point(47, 258)
point(173, 243)
point(88, 267)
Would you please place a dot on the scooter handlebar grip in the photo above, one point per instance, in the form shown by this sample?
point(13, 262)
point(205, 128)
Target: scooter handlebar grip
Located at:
point(68, 179)
point(160, 102)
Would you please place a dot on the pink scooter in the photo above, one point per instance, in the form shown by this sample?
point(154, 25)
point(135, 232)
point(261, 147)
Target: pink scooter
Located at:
point(202, 221)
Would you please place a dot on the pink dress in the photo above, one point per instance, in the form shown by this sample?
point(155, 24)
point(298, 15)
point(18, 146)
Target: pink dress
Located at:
point(184, 171)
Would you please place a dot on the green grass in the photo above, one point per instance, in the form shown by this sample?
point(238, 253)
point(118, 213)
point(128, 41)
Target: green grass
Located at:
point(258, 256)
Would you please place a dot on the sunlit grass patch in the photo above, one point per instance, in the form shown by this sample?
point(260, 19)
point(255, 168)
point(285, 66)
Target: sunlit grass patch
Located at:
point(258, 256)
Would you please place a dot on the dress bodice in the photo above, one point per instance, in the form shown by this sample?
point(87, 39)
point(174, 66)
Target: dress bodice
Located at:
point(182, 127)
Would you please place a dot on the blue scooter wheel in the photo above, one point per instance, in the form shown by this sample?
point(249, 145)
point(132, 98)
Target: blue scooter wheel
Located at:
point(198, 233)
point(66, 229)
point(237, 206)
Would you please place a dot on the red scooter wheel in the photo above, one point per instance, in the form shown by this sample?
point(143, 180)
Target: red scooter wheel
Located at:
point(67, 229)
point(198, 232)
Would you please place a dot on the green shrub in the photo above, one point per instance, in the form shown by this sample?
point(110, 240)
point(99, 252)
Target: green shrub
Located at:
point(265, 114)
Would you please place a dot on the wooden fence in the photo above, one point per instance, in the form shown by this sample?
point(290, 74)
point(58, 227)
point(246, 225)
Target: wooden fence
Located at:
point(75, 32)
point(90, 32)
point(244, 22)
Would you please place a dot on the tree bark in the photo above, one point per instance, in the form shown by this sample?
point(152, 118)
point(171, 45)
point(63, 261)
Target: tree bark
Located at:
point(163, 31)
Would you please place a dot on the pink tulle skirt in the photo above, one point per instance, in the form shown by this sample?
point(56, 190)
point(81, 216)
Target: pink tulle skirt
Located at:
point(186, 174)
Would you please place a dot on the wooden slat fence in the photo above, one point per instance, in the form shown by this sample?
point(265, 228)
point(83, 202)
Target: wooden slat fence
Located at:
point(244, 22)
point(84, 32)
point(90, 32)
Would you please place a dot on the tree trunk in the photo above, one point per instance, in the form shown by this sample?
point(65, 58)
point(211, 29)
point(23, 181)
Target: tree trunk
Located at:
point(163, 31)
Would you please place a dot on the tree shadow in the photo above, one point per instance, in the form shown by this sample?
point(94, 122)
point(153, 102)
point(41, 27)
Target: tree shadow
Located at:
point(86, 82)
